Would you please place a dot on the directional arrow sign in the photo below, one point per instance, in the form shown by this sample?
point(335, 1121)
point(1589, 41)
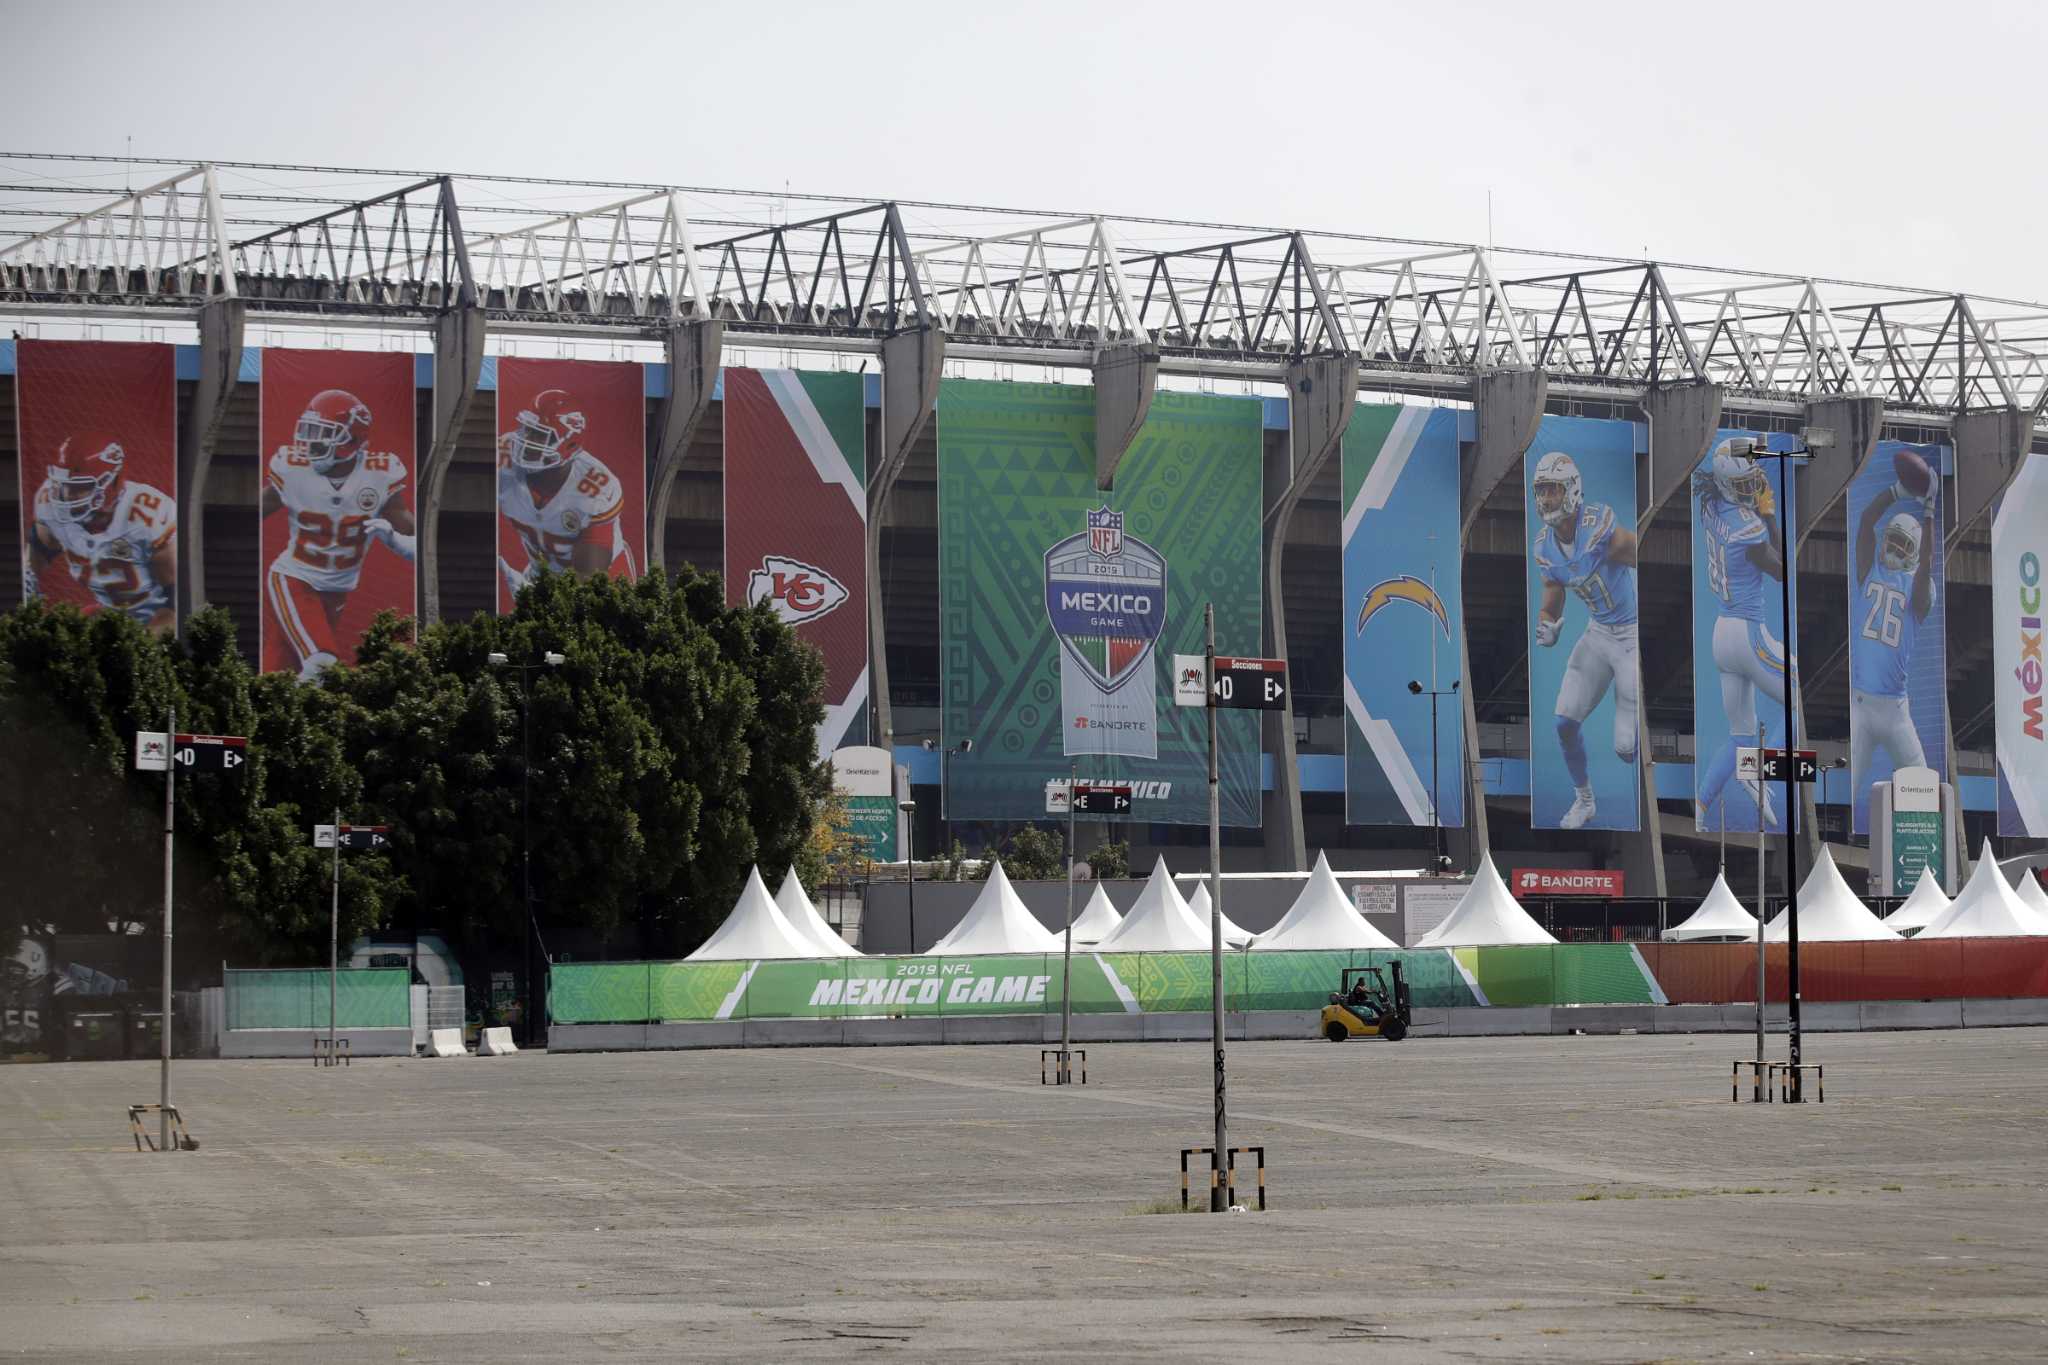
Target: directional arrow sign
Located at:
point(1805, 765)
point(1250, 684)
point(365, 836)
point(210, 753)
point(1102, 798)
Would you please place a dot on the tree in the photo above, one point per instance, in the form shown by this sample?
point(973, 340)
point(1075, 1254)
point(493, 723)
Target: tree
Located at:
point(1030, 855)
point(1108, 860)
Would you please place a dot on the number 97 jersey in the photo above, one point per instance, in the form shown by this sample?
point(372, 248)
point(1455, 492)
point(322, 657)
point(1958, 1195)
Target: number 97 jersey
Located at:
point(327, 518)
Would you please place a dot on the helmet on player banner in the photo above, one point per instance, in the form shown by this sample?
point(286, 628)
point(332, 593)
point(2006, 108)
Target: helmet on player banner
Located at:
point(548, 431)
point(86, 475)
point(1902, 543)
point(1558, 489)
point(332, 429)
point(1737, 475)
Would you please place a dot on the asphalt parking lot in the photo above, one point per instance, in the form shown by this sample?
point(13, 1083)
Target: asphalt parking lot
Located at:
point(1591, 1198)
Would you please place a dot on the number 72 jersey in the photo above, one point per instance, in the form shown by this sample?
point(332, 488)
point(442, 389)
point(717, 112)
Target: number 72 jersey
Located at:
point(327, 519)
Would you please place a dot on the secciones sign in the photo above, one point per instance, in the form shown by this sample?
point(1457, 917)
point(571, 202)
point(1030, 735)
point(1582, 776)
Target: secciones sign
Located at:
point(210, 753)
point(1102, 798)
point(1250, 684)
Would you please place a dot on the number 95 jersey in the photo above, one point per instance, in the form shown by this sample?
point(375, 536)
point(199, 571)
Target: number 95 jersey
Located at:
point(327, 517)
point(585, 505)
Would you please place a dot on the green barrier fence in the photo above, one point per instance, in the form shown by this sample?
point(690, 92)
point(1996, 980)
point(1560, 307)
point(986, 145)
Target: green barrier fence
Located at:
point(375, 997)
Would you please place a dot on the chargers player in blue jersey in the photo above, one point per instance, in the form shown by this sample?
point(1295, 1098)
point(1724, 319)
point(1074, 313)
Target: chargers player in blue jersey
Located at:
point(1744, 547)
point(1896, 582)
point(1583, 549)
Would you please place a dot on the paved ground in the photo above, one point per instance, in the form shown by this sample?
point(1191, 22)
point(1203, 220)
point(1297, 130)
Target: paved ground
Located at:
point(1511, 1198)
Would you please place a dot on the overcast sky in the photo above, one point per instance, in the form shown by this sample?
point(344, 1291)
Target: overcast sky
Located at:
point(1881, 141)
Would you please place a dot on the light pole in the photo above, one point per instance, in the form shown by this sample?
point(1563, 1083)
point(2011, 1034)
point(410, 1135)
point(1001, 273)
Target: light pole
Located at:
point(909, 809)
point(965, 746)
point(548, 659)
point(1435, 817)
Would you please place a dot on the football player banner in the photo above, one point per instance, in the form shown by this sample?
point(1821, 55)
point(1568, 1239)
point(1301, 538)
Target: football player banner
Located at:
point(1584, 678)
point(796, 522)
point(337, 440)
point(1061, 606)
point(572, 469)
point(1740, 509)
point(1403, 616)
point(98, 439)
point(2019, 564)
point(1898, 642)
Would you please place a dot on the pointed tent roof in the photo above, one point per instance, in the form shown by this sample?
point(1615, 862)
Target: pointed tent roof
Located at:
point(1829, 912)
point(2031, 892)
point(1487, 915)
point(998, 922)
point(1720, 917)
point(1198, 906)
point(1922, 908)
point(1987, 908)
point(803, 917)
point(1097, 919)
point(755, 928)
point(1321, 917)
point(1159, 921)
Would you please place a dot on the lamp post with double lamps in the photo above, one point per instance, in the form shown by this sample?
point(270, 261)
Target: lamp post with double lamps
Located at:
point(1435, 818)
point(909, 809)
point(548, 659)
point(965, 746)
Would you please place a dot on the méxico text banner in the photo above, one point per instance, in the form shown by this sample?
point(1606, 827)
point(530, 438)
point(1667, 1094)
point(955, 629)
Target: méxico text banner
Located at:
point(796, 522)
point(2019, 559)
point(1061, 606)
point(1403, 617)
point(337, 446)
point(572, 469)
point(98, 472)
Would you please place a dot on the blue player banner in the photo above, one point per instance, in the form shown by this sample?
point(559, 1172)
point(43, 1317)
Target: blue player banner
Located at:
point(1585, 685)
point(1402, 617)
point(1898, 639)
point(1740, 506)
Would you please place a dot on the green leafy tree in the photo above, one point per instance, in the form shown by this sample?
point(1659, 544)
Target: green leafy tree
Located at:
point(1030, 855)
point(1110, 860)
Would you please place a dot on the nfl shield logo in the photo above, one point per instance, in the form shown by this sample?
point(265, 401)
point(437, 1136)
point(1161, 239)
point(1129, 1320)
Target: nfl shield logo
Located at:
point(1105, 533)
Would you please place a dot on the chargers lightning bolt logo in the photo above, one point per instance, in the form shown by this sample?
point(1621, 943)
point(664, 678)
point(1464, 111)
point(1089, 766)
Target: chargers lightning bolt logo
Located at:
point(1406, 588)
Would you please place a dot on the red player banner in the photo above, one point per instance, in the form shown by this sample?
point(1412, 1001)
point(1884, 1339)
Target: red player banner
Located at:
point(572, 469)
point(97, 431)
point(337, 446)
point(796, 521)
point(1569, 881)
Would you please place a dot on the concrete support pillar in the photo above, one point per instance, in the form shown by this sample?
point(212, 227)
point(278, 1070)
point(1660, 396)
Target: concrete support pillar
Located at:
point(693, 356)
point(911, 364)
point(458, 368)
point(1322, 393)
point(1124, 379)
point(221, 323)
point(1990, 447)
point(1507, 408)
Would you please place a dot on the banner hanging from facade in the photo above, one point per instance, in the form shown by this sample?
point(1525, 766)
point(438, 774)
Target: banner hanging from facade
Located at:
point(98, 476)
point(1585, 681)
point(2019, 563)
point(1898, 639)
point(1740, 507)
point(1061, 606)
point(1403, 617)
point(572, 470)
point(337, 446)
point(796, 521)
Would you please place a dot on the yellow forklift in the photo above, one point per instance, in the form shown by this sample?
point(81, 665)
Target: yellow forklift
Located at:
point(1365, 1007)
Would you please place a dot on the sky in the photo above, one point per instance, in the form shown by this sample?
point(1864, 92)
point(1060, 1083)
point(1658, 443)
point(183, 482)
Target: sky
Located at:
point(1893, 143)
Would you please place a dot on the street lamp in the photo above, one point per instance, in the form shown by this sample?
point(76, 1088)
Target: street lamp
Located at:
point(548, 659)
point(965, 746)
point(1435, 819)
point(909, 809)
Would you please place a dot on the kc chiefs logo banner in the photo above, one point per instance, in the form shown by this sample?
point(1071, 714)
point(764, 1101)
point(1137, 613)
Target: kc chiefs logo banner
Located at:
point(796, 521)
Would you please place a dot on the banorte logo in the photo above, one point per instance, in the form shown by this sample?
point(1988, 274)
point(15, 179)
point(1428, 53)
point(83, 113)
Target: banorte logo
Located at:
point(801, 592)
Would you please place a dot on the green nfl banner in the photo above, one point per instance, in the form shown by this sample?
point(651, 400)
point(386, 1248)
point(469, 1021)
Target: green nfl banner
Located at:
point(1062, 606)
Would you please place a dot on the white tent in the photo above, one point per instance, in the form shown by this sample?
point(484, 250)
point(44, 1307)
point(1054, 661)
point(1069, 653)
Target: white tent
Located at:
point(1720, 919)
point(2031, 892)
point(1922, 908)
point(1159, 921)
point(1829, 912)
point(1098, 919)
point(1487, 915)
point(1987, 908)
point(1322, 917)
point(998, 922)
point(1198, 906)
point(755, 928)
point(803, 917)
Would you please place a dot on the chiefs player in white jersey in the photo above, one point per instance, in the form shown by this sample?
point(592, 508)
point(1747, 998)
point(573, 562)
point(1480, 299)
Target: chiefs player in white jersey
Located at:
point(339, 498)
point(116, 535)
point(561, 499)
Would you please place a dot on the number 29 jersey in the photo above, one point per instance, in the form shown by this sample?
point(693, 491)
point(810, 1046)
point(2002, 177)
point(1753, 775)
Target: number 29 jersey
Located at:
point(327, 518)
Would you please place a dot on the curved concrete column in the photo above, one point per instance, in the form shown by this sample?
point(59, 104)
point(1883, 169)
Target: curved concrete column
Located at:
point(911, 364)
point(693, 357)
point(1990, 447)
point(1821, 480)
point(1125, 377)
point(221, 324)
point(458, 367)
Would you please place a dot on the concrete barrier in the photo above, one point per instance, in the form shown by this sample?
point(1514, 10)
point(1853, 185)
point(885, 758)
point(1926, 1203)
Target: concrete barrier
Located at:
point(496, 1042)
point(446, 1042)
point(297, 1043)
point(1889, 1014)
point(2004, 1013)
point(808, 1032)
point(614, 1037)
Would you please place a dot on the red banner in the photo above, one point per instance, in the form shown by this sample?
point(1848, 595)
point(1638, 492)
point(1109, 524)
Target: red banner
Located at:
point(796, 521)
point(98, 469)
point(336, 434)
point(1568, 881)
point(572, 469)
